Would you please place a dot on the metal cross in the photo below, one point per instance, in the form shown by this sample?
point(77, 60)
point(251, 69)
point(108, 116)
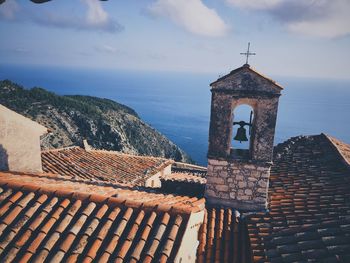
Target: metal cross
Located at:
point(247, 54)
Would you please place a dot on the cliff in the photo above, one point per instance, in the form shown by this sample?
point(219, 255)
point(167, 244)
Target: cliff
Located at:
point(105, 124)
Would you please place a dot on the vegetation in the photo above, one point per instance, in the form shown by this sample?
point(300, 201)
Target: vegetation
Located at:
point(105, 124)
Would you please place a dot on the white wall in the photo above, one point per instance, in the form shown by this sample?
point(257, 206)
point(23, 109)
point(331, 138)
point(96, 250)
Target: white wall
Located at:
point(19, 142)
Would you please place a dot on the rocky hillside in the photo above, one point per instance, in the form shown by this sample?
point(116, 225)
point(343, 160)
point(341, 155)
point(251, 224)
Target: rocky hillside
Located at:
point(105, 124)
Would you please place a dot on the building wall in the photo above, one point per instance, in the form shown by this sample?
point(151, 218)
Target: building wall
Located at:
point(19, 142)
point(154, 180)
point(187, 252)
point(238, 184)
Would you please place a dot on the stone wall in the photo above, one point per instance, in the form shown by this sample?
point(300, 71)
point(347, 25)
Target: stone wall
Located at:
point(239, 184)
point(222, 118)
point(243, 86)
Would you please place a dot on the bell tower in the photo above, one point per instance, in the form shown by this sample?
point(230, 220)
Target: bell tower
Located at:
point(239, 178)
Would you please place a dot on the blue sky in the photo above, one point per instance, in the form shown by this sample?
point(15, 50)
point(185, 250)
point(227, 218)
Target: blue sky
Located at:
point(306, 38)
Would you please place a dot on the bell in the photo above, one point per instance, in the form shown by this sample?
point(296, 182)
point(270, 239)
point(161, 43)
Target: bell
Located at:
point(241, 135)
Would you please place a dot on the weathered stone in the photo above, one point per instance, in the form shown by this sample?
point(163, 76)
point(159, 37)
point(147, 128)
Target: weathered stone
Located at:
point(251, 185)
point(233, 195)
point(224, 195)
point(245, 197)
point(248, 191)
point(215, 180)
point(223, 173)
point(239, 177)
point(209, 192)
point(261, 190)
point(262, 183)
point(242, 184)
point(246, 180)
point(249, 167)
point(222, 188)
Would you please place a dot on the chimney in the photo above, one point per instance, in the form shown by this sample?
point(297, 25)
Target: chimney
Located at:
point(239, 177)
point(19, 142)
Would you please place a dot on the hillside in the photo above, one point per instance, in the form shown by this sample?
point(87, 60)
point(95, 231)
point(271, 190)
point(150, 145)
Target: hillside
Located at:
point(105, 124)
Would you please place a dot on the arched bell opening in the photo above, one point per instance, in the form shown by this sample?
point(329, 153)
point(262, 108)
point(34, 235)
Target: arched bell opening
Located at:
point(242, 131)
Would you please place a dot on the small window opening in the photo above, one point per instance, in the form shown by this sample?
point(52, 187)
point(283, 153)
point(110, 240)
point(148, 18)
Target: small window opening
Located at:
point(242, 132)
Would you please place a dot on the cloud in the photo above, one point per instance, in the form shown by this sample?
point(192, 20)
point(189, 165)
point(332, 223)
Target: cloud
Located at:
point(96, 18)
point(255, 4)
point(322, 18)
point(9, 9)
point(106, 49)
point(192, 15)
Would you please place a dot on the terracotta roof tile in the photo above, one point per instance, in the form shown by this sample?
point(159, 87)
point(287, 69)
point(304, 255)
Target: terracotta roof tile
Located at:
point(223, 237)
point(57, 226)
point(98, 165)
point(309, 204)
point(184, 177)
point(112, 194)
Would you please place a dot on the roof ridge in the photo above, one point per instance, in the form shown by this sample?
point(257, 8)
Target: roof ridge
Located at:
point(62, 149)
point(247, 66)
point(126, 154)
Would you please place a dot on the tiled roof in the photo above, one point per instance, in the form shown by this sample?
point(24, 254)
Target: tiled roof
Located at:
point(223, 237)
point(191, 169)
point(342, 148)
point(309, 205)
point(39, 222)
point(98, 165)
point(131, 196)
point(184, 177)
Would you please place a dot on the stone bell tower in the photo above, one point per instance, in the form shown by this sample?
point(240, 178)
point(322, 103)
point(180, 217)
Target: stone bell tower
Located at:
point(239, 178)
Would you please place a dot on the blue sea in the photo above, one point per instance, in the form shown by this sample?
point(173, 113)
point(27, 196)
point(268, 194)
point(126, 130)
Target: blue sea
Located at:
point(178, 104)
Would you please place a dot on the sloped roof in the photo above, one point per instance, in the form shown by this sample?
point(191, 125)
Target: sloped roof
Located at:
point(184, 178)
point(43, 218)
point(100, 165)
point(342, 148)
point(308, 216)
point(247, 68)
point(223, 237)
point(309, 205)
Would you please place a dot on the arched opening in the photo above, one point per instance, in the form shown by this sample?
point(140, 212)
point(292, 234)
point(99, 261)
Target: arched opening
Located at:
point(242, 130)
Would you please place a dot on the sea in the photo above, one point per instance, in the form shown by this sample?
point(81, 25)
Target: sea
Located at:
point(178, 104)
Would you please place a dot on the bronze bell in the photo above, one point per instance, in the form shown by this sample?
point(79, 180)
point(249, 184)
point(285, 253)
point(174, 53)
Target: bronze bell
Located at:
point(241, 135)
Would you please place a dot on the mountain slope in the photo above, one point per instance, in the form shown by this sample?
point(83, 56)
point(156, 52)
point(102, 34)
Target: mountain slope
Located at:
point(105, 124)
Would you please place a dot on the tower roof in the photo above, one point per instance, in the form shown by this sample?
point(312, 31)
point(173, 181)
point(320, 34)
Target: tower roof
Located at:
point(245, 69)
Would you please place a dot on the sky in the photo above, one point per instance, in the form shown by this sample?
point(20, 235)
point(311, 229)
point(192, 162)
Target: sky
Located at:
point(302, 38)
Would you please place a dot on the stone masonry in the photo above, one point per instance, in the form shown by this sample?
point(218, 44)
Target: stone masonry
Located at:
point(241, 180)
point(237, 184)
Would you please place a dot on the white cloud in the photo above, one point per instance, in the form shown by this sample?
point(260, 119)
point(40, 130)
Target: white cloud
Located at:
point(107, 49)
point(95, 14)
point(9, 9)
point(95, 18)
point(255, 4)
point(321, 18)
point(335, 24)
point(192, 15)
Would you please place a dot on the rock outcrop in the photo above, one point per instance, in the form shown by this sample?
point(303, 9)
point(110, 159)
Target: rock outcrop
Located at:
point(105, 124)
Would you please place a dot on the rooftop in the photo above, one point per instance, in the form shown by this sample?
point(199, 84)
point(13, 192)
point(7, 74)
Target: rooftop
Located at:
point(53, 217)
point(69, 218)
point(309, 205)
point(99, 165)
